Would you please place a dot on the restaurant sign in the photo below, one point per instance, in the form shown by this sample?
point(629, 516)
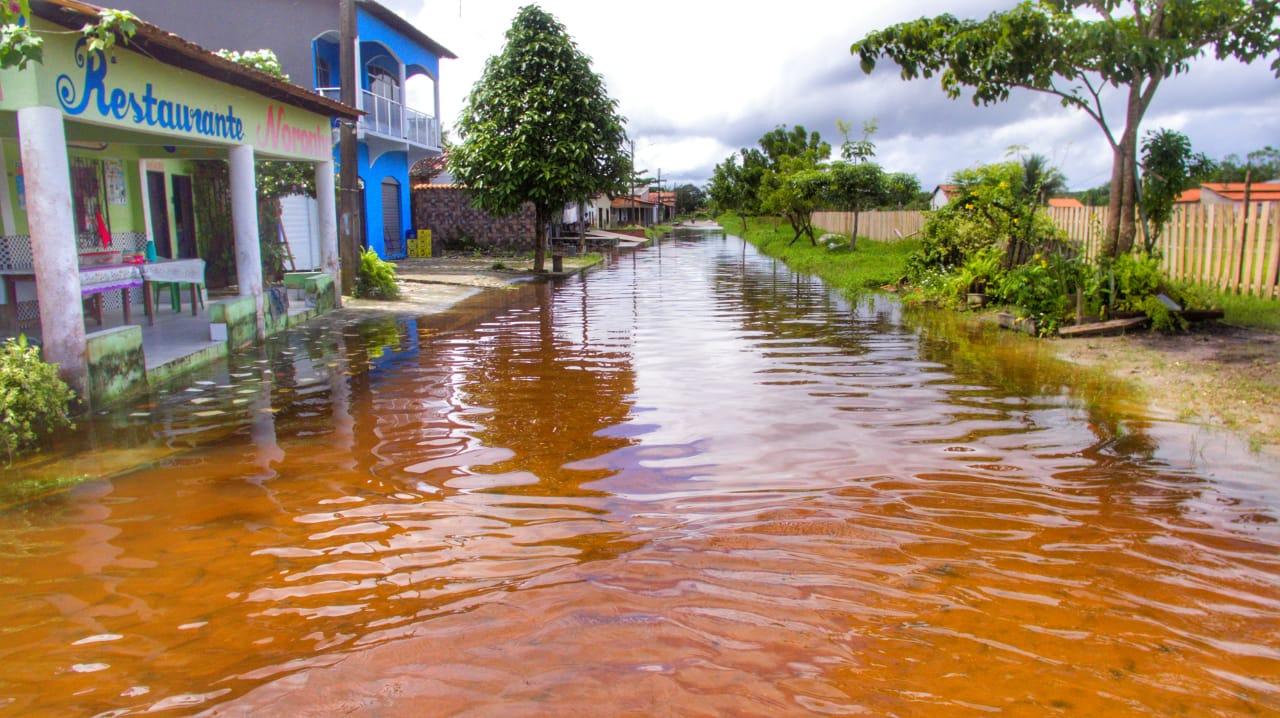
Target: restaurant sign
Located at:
point(125, 89)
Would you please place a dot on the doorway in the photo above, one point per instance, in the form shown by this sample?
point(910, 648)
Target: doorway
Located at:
point(184, 217)
point(157, 200)
point(392, 232)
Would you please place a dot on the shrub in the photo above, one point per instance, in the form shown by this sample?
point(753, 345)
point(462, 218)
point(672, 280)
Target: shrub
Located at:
point(377, 278)
point(33, 400)
point(992, 210)
point(1130, 283)
point(1043, 288)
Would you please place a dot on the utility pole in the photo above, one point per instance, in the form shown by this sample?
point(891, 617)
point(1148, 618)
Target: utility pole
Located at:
point(348, 182)
point(658, 209)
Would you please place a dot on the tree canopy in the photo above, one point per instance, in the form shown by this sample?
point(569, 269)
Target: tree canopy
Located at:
point(539, 127)
point(1075, 50)
point(689, 199)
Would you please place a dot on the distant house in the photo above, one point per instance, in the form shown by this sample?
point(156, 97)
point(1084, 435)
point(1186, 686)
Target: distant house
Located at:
point(632, 211)
point(1065, 202)
point(1231, 193)
point(942, 194)
point(1191, 196)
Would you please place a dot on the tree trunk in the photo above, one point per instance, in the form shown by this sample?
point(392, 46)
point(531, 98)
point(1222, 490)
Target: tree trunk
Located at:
point(540, 239)
point(1112, 231)
point(1121, 224)
point(853, 236)
point(582, 228)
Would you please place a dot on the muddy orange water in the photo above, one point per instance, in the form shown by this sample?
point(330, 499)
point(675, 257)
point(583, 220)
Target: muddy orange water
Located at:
point(690, 483)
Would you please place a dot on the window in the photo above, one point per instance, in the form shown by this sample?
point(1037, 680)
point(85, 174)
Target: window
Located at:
point(324, 76)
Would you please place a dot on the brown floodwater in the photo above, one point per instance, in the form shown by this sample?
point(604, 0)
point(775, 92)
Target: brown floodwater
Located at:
point(689, 483)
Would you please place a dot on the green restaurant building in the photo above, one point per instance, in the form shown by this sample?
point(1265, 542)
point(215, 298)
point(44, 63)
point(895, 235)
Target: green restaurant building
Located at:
point(98, 217)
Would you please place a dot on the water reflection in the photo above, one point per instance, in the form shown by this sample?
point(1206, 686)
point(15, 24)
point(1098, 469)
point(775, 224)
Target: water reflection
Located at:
point(692, 482)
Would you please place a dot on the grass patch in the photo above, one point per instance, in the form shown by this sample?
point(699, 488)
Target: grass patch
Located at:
point(872, 265)
point(1253, 312)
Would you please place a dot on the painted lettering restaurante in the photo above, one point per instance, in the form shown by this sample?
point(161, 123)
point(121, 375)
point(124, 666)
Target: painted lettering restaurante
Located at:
point(146, 109)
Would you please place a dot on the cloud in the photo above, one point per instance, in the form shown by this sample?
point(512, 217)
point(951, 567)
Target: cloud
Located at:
point(697, 80)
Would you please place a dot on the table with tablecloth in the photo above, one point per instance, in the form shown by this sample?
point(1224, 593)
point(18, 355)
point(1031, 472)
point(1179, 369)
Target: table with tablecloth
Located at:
point(99, 279)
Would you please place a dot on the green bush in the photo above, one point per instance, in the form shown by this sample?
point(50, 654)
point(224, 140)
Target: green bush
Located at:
point(1130, 283)
point(33, 400)
point(1042, 289)
point(377, 278)
point(992, 210)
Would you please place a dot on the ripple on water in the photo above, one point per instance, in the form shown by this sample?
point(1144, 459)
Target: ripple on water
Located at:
point(690, 482)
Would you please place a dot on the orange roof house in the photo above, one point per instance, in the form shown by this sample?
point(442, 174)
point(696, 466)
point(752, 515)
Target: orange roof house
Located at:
point(1230, 193)
point(1222, 192)
point(1065, 202)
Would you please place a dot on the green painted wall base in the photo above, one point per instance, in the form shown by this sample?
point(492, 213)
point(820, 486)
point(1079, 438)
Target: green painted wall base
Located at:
point(117, 366)
point(169, 371)
point(239, 314)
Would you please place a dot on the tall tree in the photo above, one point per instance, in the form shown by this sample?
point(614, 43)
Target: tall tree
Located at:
point(1074, 50)
point(689, 199)
point(781, 142)
point(539, 127)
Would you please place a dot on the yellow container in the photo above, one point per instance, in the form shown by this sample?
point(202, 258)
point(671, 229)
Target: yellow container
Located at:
point(424, 243)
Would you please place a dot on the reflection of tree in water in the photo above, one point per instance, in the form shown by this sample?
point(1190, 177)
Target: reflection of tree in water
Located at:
point(550, 396)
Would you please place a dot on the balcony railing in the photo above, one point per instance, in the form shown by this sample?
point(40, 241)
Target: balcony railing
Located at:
point(389, 118)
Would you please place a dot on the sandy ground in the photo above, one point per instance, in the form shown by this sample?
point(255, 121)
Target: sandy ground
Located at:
point(1218, 375)
point(432, 285)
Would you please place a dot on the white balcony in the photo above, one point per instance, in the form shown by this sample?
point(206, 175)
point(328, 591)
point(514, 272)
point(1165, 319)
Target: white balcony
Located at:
point(391, 119)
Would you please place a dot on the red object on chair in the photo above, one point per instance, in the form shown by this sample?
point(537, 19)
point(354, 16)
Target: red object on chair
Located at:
point(103, 233)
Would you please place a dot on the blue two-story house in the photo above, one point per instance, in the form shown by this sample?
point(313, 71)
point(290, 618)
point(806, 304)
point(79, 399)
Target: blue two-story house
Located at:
point(398, 68)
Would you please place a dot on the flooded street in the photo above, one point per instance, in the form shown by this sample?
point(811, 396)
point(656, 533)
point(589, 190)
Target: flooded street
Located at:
point(689, 483)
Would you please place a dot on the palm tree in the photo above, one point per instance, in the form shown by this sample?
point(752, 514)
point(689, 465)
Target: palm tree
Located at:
point(1042, 179)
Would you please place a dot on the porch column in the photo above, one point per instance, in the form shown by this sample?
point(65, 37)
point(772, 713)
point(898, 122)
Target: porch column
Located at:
point(244, 220)
point(326, 203)
point(55, 256)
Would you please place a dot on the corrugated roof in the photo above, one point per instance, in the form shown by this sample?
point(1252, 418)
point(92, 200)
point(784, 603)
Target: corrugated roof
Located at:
point(166, 47)
point(1190, 196)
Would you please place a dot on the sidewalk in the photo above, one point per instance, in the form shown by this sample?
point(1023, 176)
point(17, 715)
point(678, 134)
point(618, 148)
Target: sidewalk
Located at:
point(432, 285)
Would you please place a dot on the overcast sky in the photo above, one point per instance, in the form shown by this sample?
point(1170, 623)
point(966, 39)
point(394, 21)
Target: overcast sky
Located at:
point(697, 79)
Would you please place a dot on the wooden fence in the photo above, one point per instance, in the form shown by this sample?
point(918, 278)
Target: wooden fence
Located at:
point(872, 225)
point(1217, 245)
